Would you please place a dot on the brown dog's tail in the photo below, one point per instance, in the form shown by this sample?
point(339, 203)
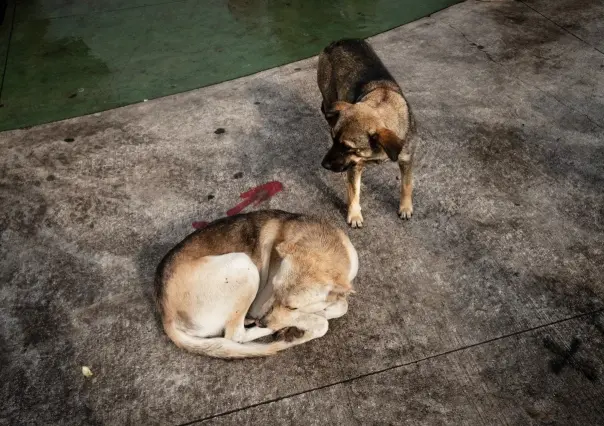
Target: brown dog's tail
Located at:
point(219, 347)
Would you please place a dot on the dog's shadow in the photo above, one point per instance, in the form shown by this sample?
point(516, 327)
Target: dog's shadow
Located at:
point(293, 137)
point(147, 261)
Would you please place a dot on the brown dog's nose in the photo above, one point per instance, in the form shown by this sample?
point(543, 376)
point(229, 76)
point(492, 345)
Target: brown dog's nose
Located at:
point(326, 164)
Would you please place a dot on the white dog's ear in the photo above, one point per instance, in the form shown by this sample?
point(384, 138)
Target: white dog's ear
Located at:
point(284, 248)
point(342, 287)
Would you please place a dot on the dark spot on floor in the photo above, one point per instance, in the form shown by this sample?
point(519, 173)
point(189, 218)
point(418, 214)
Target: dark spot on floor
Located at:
point(238, 175)
point(73, 95)
point(50, 177)
point(516, 19)
point(297, 69)
point(210, 197)
point(219, 131)
point(256, 103)
point(480, 46)
point(69, 139)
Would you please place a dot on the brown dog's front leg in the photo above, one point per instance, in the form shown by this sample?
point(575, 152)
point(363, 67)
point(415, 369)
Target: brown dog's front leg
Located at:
point(353, 186)
point(405, 210)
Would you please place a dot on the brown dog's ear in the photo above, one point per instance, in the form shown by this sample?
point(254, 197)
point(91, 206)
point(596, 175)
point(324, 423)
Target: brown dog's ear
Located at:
point(333, 113)
point(340, 106)
point(389, 141)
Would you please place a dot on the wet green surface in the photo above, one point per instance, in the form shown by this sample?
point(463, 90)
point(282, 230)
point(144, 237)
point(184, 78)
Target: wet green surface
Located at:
point(70, 58)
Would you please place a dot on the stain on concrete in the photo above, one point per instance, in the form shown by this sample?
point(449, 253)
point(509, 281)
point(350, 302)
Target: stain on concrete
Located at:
point(568, 358)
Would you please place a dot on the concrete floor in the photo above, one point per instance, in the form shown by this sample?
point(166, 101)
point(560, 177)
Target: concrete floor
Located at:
point(485, 308)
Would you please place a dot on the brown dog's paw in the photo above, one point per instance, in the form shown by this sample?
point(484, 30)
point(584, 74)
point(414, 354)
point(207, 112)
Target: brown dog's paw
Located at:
point(289, 334)
point(406, 211)
point(355, 220)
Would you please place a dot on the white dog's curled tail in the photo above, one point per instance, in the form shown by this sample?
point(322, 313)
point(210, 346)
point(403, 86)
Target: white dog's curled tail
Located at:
point(219, 347)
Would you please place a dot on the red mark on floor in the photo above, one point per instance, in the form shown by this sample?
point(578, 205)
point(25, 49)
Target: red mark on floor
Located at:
point(200, 224)
point(254, 197)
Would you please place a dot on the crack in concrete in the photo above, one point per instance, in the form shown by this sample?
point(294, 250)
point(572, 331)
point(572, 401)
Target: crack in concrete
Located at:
point(394, 367)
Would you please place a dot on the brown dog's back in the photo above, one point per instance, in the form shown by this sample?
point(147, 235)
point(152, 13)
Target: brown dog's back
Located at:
point(348, 69)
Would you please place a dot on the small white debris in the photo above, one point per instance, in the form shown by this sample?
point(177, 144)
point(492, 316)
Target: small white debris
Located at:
point(145, 100)
point(86, 371)
point(81, 89)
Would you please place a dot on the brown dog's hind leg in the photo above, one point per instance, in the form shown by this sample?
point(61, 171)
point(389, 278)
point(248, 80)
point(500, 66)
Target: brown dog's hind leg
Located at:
point(353, 186)
point(405, 210)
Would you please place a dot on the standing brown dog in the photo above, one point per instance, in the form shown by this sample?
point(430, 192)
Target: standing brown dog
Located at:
point(369, 117)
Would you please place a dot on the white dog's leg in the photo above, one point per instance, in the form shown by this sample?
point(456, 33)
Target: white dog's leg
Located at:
point(301, 327)
point(314, 308)
point(336, 309)
point(328, 309)
point(254, 333)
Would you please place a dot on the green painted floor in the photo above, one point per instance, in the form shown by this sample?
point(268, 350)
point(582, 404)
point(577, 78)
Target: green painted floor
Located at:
point(65, 58)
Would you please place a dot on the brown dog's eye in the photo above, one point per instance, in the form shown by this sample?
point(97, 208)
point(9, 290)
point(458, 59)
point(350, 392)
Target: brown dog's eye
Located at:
point(348, 145)
point(290, 308)
point(373, 143)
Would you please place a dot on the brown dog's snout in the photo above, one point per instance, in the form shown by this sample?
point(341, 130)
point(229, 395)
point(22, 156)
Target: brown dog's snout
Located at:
point(335, 161)
point(336, 166)
point(326, 163)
